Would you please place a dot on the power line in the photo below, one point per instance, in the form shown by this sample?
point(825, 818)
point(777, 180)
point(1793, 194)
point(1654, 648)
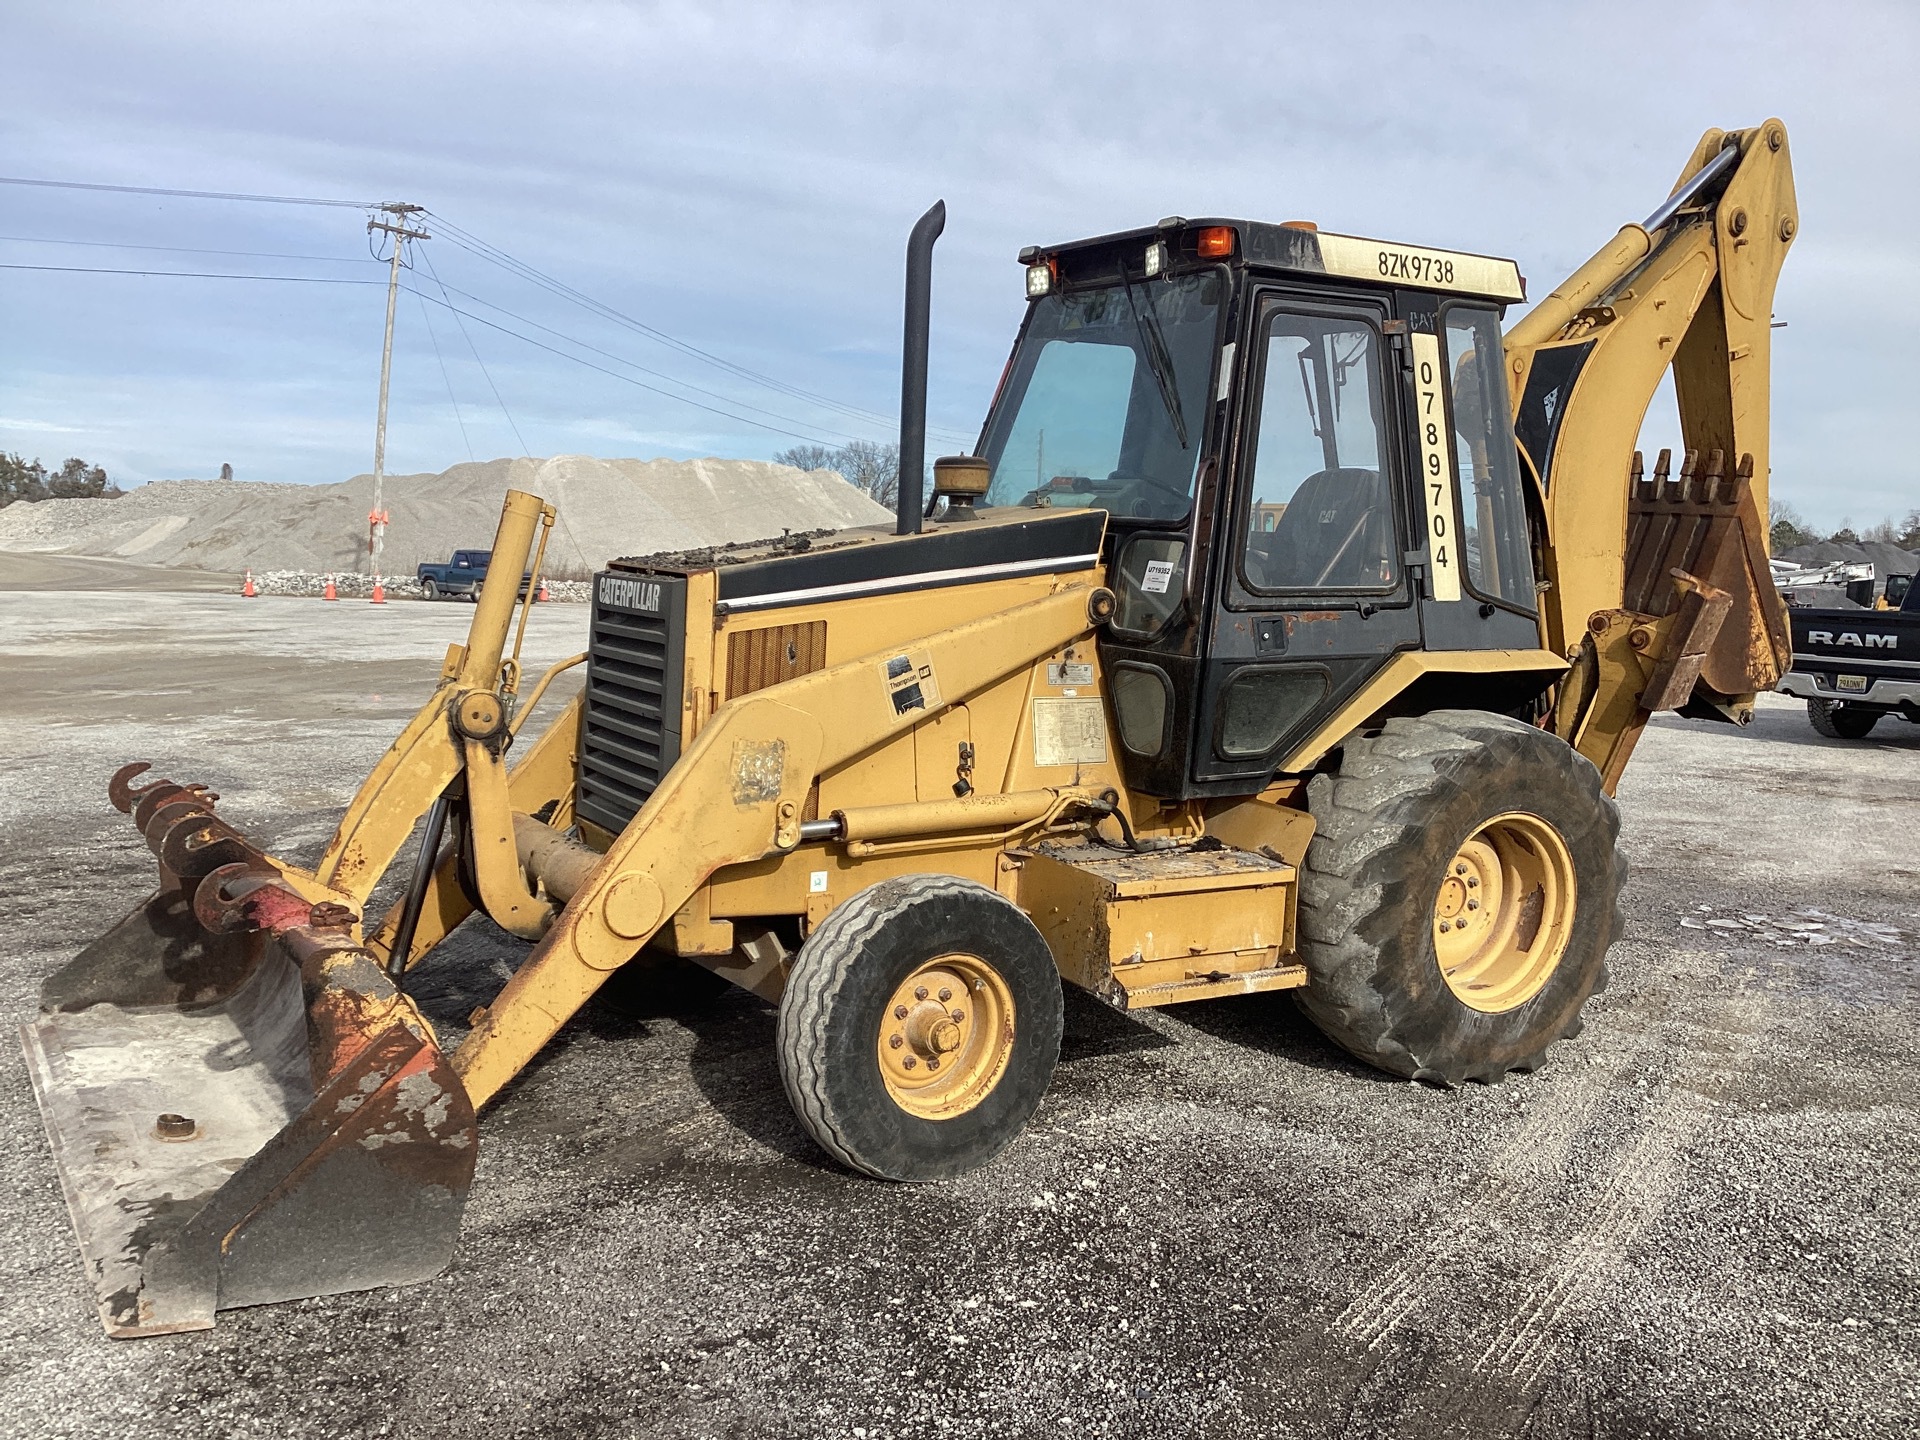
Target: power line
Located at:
point(486, 373)
point(481, 319)
point(644, 370)
point(427, 316)
point(467, 241)
point(192, 274)
point(187, 194)
point(474, 245)
point(480, 248)
point(180, 249)
point(628, 379)
point(355, 260)
point(493, 254)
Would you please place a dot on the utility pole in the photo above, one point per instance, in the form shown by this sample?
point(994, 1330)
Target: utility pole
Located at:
point(396, 226)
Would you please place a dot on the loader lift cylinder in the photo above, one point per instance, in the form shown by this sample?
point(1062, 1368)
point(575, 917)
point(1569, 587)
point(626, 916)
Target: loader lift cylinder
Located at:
point(423, 868)
point(909, 504)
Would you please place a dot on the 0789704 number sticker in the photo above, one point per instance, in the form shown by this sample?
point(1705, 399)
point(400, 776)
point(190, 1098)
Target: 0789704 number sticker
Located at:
point(1436, 468)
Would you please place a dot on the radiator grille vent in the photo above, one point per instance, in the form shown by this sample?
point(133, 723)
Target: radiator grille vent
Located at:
point(636, 665)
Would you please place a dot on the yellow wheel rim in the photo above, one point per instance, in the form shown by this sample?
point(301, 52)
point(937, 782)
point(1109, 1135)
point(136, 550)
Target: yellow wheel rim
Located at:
point(946, 1036)
point(1504, 911)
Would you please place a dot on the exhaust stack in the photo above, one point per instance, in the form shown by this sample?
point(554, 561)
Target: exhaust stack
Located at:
point(910, 504)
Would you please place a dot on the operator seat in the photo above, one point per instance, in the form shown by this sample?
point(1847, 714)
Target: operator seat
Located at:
point(1334, 532)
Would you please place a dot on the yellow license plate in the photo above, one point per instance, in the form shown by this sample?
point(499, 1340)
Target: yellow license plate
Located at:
point(1855, 683)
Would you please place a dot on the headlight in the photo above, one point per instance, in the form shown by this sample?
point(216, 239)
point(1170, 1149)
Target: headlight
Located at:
point(1039, 280)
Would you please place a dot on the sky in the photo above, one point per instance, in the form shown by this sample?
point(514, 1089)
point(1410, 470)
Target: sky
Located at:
point(740, 178)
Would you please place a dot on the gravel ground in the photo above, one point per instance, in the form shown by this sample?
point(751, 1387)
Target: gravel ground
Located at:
point(1697, 1220)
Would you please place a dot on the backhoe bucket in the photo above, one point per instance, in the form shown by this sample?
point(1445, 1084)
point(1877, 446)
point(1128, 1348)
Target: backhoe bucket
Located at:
point(1707, 525)
point(242, 1107)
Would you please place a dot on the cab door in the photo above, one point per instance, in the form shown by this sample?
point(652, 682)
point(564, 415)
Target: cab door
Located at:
point(1311, 570)
point(1473, 535)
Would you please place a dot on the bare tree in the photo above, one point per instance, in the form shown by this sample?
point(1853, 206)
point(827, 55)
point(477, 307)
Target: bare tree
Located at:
point(863, 464)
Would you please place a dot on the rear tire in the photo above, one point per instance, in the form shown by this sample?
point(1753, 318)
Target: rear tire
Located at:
point(1415, 816)
point(1839, 721)
point(904, 1095)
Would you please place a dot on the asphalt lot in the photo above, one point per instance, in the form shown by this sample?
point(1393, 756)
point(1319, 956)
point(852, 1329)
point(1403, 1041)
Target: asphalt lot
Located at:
point(1697, 1220)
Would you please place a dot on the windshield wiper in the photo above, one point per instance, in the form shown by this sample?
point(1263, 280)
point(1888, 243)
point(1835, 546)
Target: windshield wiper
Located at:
point(1158, 360)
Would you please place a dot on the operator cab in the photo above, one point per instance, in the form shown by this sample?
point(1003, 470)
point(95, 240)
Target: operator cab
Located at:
point(1303, 445)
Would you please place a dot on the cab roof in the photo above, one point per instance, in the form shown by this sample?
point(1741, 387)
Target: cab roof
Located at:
point(1294, 248)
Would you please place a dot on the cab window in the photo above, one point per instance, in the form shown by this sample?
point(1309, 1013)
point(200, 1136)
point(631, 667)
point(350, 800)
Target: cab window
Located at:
point(1499, 559)
point(1106, 398)
point(1319, 515)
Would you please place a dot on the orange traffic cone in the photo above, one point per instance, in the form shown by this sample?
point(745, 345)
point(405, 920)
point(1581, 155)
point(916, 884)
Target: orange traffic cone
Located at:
point(330, 593)
point(379, 592)
point(542, 597)
point(247, 592)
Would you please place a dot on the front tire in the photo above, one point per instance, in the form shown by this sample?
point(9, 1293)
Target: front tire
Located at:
point(429, 590)
point(1458, 897)
point(920, 1027)
point(1839, 721)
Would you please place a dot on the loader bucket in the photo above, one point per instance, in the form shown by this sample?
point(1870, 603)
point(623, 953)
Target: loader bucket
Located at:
point(241, 1105)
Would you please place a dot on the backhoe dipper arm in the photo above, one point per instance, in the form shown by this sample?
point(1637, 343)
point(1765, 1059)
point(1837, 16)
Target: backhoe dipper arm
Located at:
point(736, 796)
point(1691, 288)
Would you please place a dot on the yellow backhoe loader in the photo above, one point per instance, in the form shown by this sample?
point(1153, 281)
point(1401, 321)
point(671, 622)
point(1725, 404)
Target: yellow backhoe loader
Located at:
point(1290, 629)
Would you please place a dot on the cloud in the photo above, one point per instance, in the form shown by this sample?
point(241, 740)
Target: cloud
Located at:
point(743, 175)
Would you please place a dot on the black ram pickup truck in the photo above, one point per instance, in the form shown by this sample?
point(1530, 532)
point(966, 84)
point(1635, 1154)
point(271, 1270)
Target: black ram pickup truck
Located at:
point(1853, 667)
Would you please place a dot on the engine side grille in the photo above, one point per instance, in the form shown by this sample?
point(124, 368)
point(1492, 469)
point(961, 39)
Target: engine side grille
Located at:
point(759, 658)
point(636, 662)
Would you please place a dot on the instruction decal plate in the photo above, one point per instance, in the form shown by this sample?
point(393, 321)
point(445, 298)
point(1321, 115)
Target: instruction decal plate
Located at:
point(1070, 731)
point(910, 682)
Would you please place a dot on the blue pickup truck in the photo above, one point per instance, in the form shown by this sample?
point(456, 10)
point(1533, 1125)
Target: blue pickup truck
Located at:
point(461, 576)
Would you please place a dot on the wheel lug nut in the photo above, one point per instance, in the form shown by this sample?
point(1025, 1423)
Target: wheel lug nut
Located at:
point(959, 1017)
point(895, 1042)
point(945, 994)
point(919, 992)
point(1473, 904)
point(933, 1062)
point(899, 1012)
point(1445, 927)
point(909, 1063)
point(1460, 867)
point(1473, 882)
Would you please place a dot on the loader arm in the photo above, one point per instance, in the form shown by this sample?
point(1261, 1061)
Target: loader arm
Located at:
point(736, 796)
point(472, 701)
point(1691, 289)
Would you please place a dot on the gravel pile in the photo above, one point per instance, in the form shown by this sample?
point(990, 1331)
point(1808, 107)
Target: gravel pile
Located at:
point(1886, 559)
point(606, 508)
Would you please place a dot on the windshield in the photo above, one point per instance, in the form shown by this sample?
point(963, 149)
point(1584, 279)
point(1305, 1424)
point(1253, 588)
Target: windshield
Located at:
point(1106, 399)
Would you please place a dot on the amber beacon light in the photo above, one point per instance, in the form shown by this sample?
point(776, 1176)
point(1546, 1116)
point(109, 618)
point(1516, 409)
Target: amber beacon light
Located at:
point(1215, 242)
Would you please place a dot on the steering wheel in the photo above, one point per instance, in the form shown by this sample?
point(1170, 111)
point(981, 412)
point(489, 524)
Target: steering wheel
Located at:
point(1178, 493)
